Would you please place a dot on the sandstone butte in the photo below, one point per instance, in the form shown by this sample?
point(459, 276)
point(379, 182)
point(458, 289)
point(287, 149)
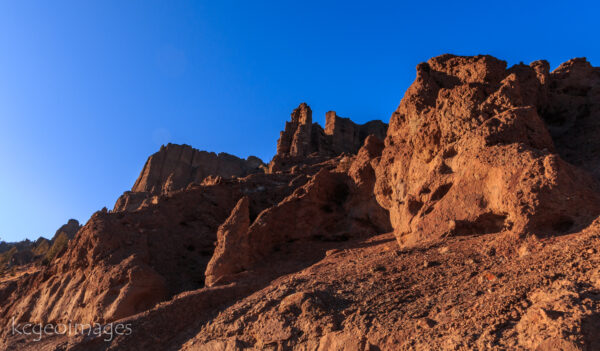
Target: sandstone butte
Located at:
point(470, 223)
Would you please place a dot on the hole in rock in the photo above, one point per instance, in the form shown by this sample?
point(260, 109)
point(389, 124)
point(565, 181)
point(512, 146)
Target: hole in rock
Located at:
point(414, 206)
point(441, 192)
point(445, 169)
point(486, 223)
point(563, 224)
point(451, 152)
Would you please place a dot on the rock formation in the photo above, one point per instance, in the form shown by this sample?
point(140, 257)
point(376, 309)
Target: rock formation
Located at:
point(468, 152)
point(295, 139)
point(304, 142)
point(571, 110)
point(174, 167)
point(125, 262)
point(69, 229)
point(212, 252)
point(159, 240)
point(330, 207)
point(14, 255)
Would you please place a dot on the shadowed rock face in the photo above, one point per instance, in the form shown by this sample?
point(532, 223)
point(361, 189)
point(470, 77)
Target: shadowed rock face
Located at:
point(304, 142)
point(41, 251)
point(175, 167)
point(123, 263)
point(334, 205)
point(295, 139)
point(69, 229)
point(471, 149)
point(572, 112)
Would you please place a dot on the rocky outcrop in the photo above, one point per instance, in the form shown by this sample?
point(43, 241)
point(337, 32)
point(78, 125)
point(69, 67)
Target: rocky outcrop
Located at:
point(334, 205)
point(468, 153)
point(362, 205)
point(295, 139)
point(175, 167)
point(69, 229)
point(123, 263)
point(343, 135)
point(305, 142)
point(42, 250)
point(231, 238)
point(571, 110)
point(375, 297)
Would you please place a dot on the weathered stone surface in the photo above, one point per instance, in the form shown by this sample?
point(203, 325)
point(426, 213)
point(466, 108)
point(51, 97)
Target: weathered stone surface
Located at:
point(362, 204)
point(332, 206)
point(175, 167)
point(123, 263)
point(69, 229)
point(468, 153)
point(572, 113)
point(295, 139)
point(343, 135)
point(304, 142)
point(230, 238)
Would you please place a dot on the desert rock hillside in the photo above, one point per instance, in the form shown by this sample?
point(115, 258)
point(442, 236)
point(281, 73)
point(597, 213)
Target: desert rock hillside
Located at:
point(471, 223)
point(15, 257)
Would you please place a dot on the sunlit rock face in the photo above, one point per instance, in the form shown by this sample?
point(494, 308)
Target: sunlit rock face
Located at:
point(476, 147)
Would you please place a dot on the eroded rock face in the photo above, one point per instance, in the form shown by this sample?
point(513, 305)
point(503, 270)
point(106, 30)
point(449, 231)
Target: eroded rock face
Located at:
point(122, 263)
point(41, 251)
point(69, 229)
point(572, 113)
point(295, 139)
point(343, 135)
point(175, 167)
point(230, 239)
point(334, 205)
point(304, 142)
point(468, 153)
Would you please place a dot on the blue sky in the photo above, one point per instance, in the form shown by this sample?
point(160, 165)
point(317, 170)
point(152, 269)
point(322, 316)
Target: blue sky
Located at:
point(89, 89)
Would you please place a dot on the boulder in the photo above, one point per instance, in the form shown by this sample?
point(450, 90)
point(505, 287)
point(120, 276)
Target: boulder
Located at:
point(468, 153)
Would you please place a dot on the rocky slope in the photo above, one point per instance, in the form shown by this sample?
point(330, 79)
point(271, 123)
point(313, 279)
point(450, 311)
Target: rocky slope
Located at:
point(469, 224)
point(160, 240)
point(13, 256)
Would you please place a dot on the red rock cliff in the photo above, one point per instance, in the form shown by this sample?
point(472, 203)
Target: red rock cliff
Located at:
point(475, 147)
point(174, 167)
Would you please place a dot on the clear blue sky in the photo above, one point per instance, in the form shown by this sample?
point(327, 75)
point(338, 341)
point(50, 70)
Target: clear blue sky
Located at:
point(89, 89)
